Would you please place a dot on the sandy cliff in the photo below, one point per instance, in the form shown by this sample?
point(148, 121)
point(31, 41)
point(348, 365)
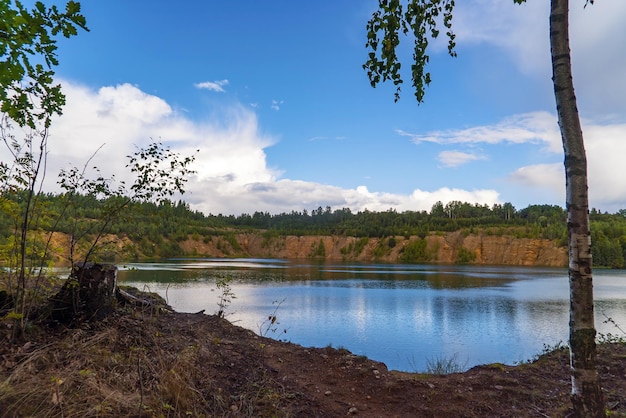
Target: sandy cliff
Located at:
point(442, 248)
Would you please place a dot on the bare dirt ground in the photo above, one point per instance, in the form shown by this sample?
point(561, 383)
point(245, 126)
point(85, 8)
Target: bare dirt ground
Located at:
point(145, 364)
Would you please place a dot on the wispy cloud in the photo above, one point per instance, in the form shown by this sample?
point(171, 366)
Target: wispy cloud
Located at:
point(217, 85)
point(457, 158)
point(535, 127)
point(276, 104)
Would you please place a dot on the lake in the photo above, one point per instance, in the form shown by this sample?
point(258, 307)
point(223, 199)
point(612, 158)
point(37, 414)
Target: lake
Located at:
point(402, 315)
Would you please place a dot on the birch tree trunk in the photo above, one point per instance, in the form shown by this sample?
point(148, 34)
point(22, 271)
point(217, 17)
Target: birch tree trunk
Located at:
point(586, 392)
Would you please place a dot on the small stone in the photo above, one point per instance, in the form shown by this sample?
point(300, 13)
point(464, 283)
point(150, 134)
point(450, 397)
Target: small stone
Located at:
point(328, 392)
point(498, 387)
point(353, 411)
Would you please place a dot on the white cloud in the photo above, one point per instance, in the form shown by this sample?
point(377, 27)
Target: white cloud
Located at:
point(544, 176)
point(276, 104)
point(535, 127)
point(605, 147)
point(445, 194)
point(232, 173)
point(295, 195)
point(457, 158)
point(123, 118)
point(217, 85)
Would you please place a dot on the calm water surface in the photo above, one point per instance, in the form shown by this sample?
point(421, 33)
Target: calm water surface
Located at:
point(402, 315)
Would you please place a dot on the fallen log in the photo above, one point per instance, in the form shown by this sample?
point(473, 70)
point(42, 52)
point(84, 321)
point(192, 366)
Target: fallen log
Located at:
point(157, 304)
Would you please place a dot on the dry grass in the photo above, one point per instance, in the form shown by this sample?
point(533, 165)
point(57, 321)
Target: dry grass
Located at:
point(130, 365)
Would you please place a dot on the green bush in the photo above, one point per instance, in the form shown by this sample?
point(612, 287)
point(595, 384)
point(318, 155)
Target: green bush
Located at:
point(465, 256)
point(415, 252)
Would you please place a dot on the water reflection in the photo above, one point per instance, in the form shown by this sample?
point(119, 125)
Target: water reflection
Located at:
point(399, 314)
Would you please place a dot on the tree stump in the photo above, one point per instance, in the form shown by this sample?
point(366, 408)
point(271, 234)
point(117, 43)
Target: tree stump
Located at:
point(88, 294)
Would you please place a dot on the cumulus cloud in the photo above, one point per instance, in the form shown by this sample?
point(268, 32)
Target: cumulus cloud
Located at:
point(232, 176)
point(121, 118)
point(295, 195)
point(217, 85)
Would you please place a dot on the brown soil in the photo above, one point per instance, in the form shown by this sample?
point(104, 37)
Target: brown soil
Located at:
point(139, 363)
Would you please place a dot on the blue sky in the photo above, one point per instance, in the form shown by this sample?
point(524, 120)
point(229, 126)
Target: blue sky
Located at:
point(275, 97)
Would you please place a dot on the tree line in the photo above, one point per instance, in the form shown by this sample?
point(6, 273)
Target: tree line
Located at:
point(156, 228)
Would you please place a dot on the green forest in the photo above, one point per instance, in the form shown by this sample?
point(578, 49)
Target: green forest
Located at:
point(156, 229)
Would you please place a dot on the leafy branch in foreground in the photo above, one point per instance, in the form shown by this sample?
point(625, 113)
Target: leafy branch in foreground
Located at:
point(28, 94)
point(159, 174)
